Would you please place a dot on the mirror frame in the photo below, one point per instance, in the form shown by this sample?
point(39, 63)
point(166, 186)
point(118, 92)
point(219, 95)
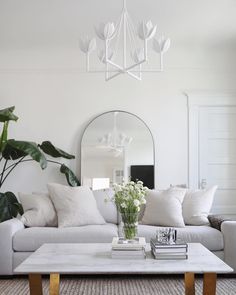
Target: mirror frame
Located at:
point(129, 113)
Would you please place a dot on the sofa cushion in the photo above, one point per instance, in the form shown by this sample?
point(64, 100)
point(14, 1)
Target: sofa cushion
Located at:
point(209, 237)
point(197, 205)
point(38, 210)
point(164, 208)
point(75, 206)
point(30, 239)
point(106, 205)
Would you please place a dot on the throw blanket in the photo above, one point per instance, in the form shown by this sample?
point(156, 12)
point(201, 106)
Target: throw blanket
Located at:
point(217, 219)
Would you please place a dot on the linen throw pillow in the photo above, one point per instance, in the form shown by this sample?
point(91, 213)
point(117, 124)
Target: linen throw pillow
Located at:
point(38, 210)
point(197, 205)
point(75, 206)
point(164, 208)
point(106, 205)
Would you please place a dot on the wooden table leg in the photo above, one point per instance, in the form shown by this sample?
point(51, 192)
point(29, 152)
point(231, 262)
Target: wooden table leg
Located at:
point(54, 284)
point(189, 283)
point(209, 284)
point(35, 284)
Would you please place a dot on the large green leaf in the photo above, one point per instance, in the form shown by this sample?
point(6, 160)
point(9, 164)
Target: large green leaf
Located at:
point(7, 115)
point(70, 176)
point(15, 149)
point(9, 206)
point(53, 151)
point(3, 137)
point(11, 153)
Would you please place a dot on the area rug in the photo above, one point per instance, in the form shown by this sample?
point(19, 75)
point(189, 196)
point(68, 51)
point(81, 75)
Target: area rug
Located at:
point(151, 285)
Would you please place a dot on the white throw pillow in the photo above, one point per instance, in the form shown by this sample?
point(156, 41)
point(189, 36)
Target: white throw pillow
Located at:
point(164, 208)
point(106, 205)
point(38, 210)
point(197, 205)
point(75, 206)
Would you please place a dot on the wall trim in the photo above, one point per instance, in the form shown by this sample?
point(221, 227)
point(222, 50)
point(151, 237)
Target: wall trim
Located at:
point(223, 210)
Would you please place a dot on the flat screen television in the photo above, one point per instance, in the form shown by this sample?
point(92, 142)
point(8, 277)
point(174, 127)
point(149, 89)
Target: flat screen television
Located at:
point(145, 173)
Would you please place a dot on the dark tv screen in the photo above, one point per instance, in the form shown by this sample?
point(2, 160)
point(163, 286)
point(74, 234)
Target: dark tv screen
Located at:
point(144, 173)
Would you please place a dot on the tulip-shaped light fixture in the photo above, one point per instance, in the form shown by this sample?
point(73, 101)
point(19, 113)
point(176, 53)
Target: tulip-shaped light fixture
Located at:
point(122, 37)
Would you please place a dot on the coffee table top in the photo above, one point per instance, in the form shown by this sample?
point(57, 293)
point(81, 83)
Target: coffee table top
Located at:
point(96, 259)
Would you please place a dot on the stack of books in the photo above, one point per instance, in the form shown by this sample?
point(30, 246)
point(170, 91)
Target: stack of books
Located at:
point(128, 249)
point(169, 251)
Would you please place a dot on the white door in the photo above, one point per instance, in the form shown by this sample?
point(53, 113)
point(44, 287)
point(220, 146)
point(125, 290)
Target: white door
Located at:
point(217, 155)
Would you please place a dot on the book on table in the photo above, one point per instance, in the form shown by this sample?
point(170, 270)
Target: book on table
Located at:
point(128, 249)
point(170, 256)
point(174, 251)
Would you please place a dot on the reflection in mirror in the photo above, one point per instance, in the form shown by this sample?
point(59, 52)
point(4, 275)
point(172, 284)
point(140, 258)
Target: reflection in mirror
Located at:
point(117, 146)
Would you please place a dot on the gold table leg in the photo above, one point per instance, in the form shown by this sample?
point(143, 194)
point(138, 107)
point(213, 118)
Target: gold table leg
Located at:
point(189, 283)
point(35, 284)
point(54, 284)
point(209, 284)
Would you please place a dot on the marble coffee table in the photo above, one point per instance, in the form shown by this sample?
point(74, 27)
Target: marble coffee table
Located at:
point(56, 259)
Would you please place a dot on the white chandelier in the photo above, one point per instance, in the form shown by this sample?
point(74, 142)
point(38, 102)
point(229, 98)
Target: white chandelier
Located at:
point(115, 141)
point(123, 33)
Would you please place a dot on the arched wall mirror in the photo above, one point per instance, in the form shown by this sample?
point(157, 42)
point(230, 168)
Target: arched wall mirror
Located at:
point(117, 146)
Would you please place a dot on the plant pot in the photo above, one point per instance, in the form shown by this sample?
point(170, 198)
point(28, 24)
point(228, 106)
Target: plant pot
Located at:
point(130, 225)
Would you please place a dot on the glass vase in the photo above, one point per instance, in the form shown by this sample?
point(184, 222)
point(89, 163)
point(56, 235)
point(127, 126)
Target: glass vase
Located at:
point(130, 225)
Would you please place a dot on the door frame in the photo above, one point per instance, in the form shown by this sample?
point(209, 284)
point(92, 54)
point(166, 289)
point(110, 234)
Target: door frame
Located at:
point(196, 101)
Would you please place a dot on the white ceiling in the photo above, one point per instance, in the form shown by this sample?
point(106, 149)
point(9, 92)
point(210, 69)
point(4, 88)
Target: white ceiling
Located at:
point(59, 23)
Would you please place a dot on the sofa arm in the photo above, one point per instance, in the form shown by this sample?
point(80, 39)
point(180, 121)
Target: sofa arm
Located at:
point(228, 229)
point(7, 230)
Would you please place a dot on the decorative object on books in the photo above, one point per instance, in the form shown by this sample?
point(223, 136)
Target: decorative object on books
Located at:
point(123, 34)
point(75, 206)
point(166, 235)
point(14, 152)
point(164, 208)
point(128, 198)
point(174, 251)
point(197, 205)
point(128, 249)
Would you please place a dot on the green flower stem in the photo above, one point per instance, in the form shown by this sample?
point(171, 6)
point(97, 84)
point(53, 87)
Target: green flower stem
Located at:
point(130, 221)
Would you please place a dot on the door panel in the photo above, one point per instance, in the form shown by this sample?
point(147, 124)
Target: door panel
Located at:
point(217, 154)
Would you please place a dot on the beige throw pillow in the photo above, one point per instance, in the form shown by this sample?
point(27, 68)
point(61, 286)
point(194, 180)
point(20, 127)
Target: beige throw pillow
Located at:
point(197, 205)
point(164, 208)
point(38, 210)
point(75, 206)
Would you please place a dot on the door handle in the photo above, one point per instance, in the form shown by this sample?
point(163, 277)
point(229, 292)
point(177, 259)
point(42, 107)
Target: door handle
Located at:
point(203, 183)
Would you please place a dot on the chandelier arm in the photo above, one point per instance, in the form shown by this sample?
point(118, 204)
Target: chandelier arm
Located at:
point(124, 38)
point(119, 73)
point(133, 71)
point(126, 70)
point(161, 62)
point(131, 36)
point(115, 65)
point(145, 50)
point(135, 65)
point(117, 36)
point(132, 28)
point(137, 77)
point(87, 62)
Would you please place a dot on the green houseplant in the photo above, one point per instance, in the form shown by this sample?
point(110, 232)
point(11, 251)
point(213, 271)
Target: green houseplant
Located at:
point(15, 152)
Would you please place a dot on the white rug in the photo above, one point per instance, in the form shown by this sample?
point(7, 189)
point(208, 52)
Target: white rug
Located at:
point(149, 285)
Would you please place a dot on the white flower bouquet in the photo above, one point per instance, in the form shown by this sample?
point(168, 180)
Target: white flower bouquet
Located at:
point(129, 198)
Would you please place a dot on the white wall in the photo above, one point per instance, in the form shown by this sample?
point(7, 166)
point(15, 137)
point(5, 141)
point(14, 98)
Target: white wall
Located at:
point(41, 73)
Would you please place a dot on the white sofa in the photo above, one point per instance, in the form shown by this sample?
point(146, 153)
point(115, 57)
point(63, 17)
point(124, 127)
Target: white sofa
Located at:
point(18, 242)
